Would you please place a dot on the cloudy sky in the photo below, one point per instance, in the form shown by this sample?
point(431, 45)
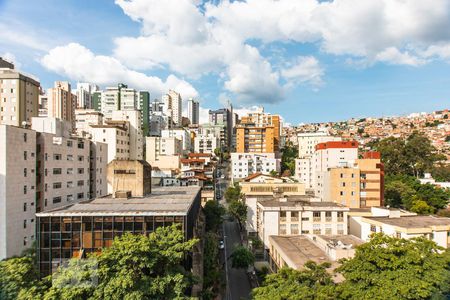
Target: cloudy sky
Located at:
point(307, 60)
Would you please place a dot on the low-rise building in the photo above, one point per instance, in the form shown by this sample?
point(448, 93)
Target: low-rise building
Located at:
point(246, 164)
point(206, 143)
point(116, 136)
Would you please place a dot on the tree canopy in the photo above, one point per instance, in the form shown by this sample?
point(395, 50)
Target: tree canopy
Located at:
point(213, 213)
point(233, 193)
point(242, 258)
point(288, 155)
point(238, 209)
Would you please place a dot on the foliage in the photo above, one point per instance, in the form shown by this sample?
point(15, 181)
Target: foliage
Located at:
point(288, 155)
point(242, 258)
point(441, 173)
point(402, 191)
point(421, 207)
point(273, 173)
point(18, 274)
point(213, 213)
point(238, 210)
point(233, 193)
point(313, 282)
point(412, 156)
point(391, 268)
point(444, 213)
point(211, 270)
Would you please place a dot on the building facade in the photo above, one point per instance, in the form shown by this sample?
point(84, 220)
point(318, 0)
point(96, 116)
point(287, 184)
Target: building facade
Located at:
point(246, 164)
point(194, 111)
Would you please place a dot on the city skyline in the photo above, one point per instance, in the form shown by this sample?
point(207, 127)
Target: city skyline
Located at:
point(330, 60)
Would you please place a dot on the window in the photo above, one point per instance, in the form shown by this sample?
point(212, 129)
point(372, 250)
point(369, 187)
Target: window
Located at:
point(294, 216)
point(328, 216)
point(24, 223)
point(282, 216)
point(340, 228)
point(80, 195)
point(80, 183)
point(25, 137)
point(57, 171)
point(25, 206)
point(70, 184)
point(342, 175)
point(69, 197)
point(56, 185)
point(25, 172)
point(80, 171)
point(70, 171)
point(24, 189)
point(282, 229)
point(316, 216)
point(57, 156)
point(80, 158)
point(305, 219)
point(328, 229)
point(373, 228)
point(294, 228)
point(80, 145)
point(340, 216)
point(69, 143)
point(316, 229)
point(56, 200)
point(69, 157)
point(25, 155)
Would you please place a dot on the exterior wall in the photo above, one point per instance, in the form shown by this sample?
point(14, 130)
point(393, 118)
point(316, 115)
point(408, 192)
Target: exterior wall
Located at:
point(116, 138)
point(256, 189)
point(193, 111)
point(144, 107)
point(17, 189)
point(86, 117)
point(173, 106)
point(63, 174)
point(98, 186)
point(110, 101)
point(206, 144)
point(342, 185)
point(307, 142)
point(372, 182)
point(180, 133)
point(304, 171)
point(19, 97)
point(245, 164)
point(130, 175)
point(161, 146)
point(135, 131)
point(61, 102)
point(84, 94)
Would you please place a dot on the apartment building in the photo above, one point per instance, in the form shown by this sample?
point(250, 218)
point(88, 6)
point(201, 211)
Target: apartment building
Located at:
point(194, 111)
point(181, 134)
point(115, 135)
point(206, 143)
point(163, 154)
point(329, 155)
point(84, 92)
point(223, 118)
point(284, 215)
point(61, 102)
point(17, 189)
point(19, 95)
point(173, 107)
point(136, 137)
point(400, 224)
point(84, 118)
point(98, 165)
point(118, 98)
point(246, 164)
point(258, 133)
point(144, 107)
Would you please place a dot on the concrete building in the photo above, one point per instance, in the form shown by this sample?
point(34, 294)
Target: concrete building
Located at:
point(294, 215)
point(246, 164)
point(193, 111)
point(17, 189)
point(84, 94)
point(115, 216)
point(19, 94)
point(84, 118)
point(173, 106)
point(400, 224)
point(131, 176)
point(144, 107)
point(181, 134)
point(116, 136)
point(117, 98)
point(223, 117)
point(98, 165)
point(162, 146)
point(43, 104)
point(136, 138)
point(61, 102)
point(258, 132)
point(261, 185)
point(294, 251)
point(206, 143)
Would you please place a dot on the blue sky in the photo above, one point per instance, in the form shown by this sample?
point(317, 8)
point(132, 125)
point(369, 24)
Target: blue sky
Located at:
point(306, 60)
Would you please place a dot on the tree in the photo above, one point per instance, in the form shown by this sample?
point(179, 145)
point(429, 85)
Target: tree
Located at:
point(288, 155)
point(421, 207)
point(392, 268)
point(134, 267)
point(18, 274)
point(396, 192)
point(233, 193)
point(441, 173)
point(273, 173)
point(242, 258)
point(213, 214)
point(238, 210)
point(211, 270)
point(312, 282)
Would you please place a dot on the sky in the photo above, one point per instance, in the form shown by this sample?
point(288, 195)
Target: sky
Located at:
point(308, 60)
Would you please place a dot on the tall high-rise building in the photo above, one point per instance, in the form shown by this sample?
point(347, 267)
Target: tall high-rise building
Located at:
point(173, 106)
point(193, 111)
point(144, 107)
point(19, 95)
point(258, 132)
point(223, 117)
point(61, 102)
point(118, 98)
point(85, 93)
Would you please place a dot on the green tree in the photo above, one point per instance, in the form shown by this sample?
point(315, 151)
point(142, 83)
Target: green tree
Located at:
point(288, 155)
point(211, 269)
point(213, 215)
point(18, 274)
point(312, 282)
point(421, 207)
point(238, 209)
point(242, 258)
point(273, 173)
point(391, 268)
point(441, 173)
point(134, 267)
point(233, 193)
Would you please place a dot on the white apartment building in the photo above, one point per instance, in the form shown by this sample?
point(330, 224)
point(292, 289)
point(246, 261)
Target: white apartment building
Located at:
point(307, 141)
point(133, 117)
point(173, 106)
point(116, 136)
point(295, 215)
point(17, 189)
point(129, 99)
point(206, 143)
point(19, 95)
point(61, 102)
point(330, 155)
point(84, 118)
point(162, 146)
point(98, 164)
point(84, 94)
point(110, 100)
point(181, 134)
point(193, 111)
point(246, 164)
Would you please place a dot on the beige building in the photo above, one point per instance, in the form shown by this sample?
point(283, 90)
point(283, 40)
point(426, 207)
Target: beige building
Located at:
point(206, 143)
point(17, 189)
point(116, 136)
point(84, 118)
point(164, 154)
point(61, 102)
point(136, 138)
point(133, 176)
point(19, 96)
point(98, 164)
point(173, 106)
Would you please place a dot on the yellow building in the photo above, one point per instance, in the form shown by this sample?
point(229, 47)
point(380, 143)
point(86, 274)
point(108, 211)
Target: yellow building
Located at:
point(258, 133)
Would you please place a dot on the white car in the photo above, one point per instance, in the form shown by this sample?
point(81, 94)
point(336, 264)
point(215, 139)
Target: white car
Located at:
point(221, 245)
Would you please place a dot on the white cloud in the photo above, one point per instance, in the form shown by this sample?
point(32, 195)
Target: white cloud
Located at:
point(8, 56)
point(79, 63)
point(393, 56)
point(243, 111)
point(441, 51)
point(204, 115)
point(306, 69)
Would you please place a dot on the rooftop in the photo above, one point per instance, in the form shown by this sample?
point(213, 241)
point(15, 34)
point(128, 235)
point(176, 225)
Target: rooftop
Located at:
point(413, 221)
point(297, 201)
point(162, 201)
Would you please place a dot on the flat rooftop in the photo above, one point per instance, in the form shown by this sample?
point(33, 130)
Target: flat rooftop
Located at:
point(413, 221)
point(345, 239)
point(298, 249)
point(171, 200)
point(298, 202)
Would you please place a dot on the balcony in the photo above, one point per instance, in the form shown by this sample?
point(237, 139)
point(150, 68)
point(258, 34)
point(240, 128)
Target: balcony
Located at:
point(317, 219)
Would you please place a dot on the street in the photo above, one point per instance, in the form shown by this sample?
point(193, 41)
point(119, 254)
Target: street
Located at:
point(238, 285)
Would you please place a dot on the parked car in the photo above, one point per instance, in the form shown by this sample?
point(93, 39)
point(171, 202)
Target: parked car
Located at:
point(221, 245)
